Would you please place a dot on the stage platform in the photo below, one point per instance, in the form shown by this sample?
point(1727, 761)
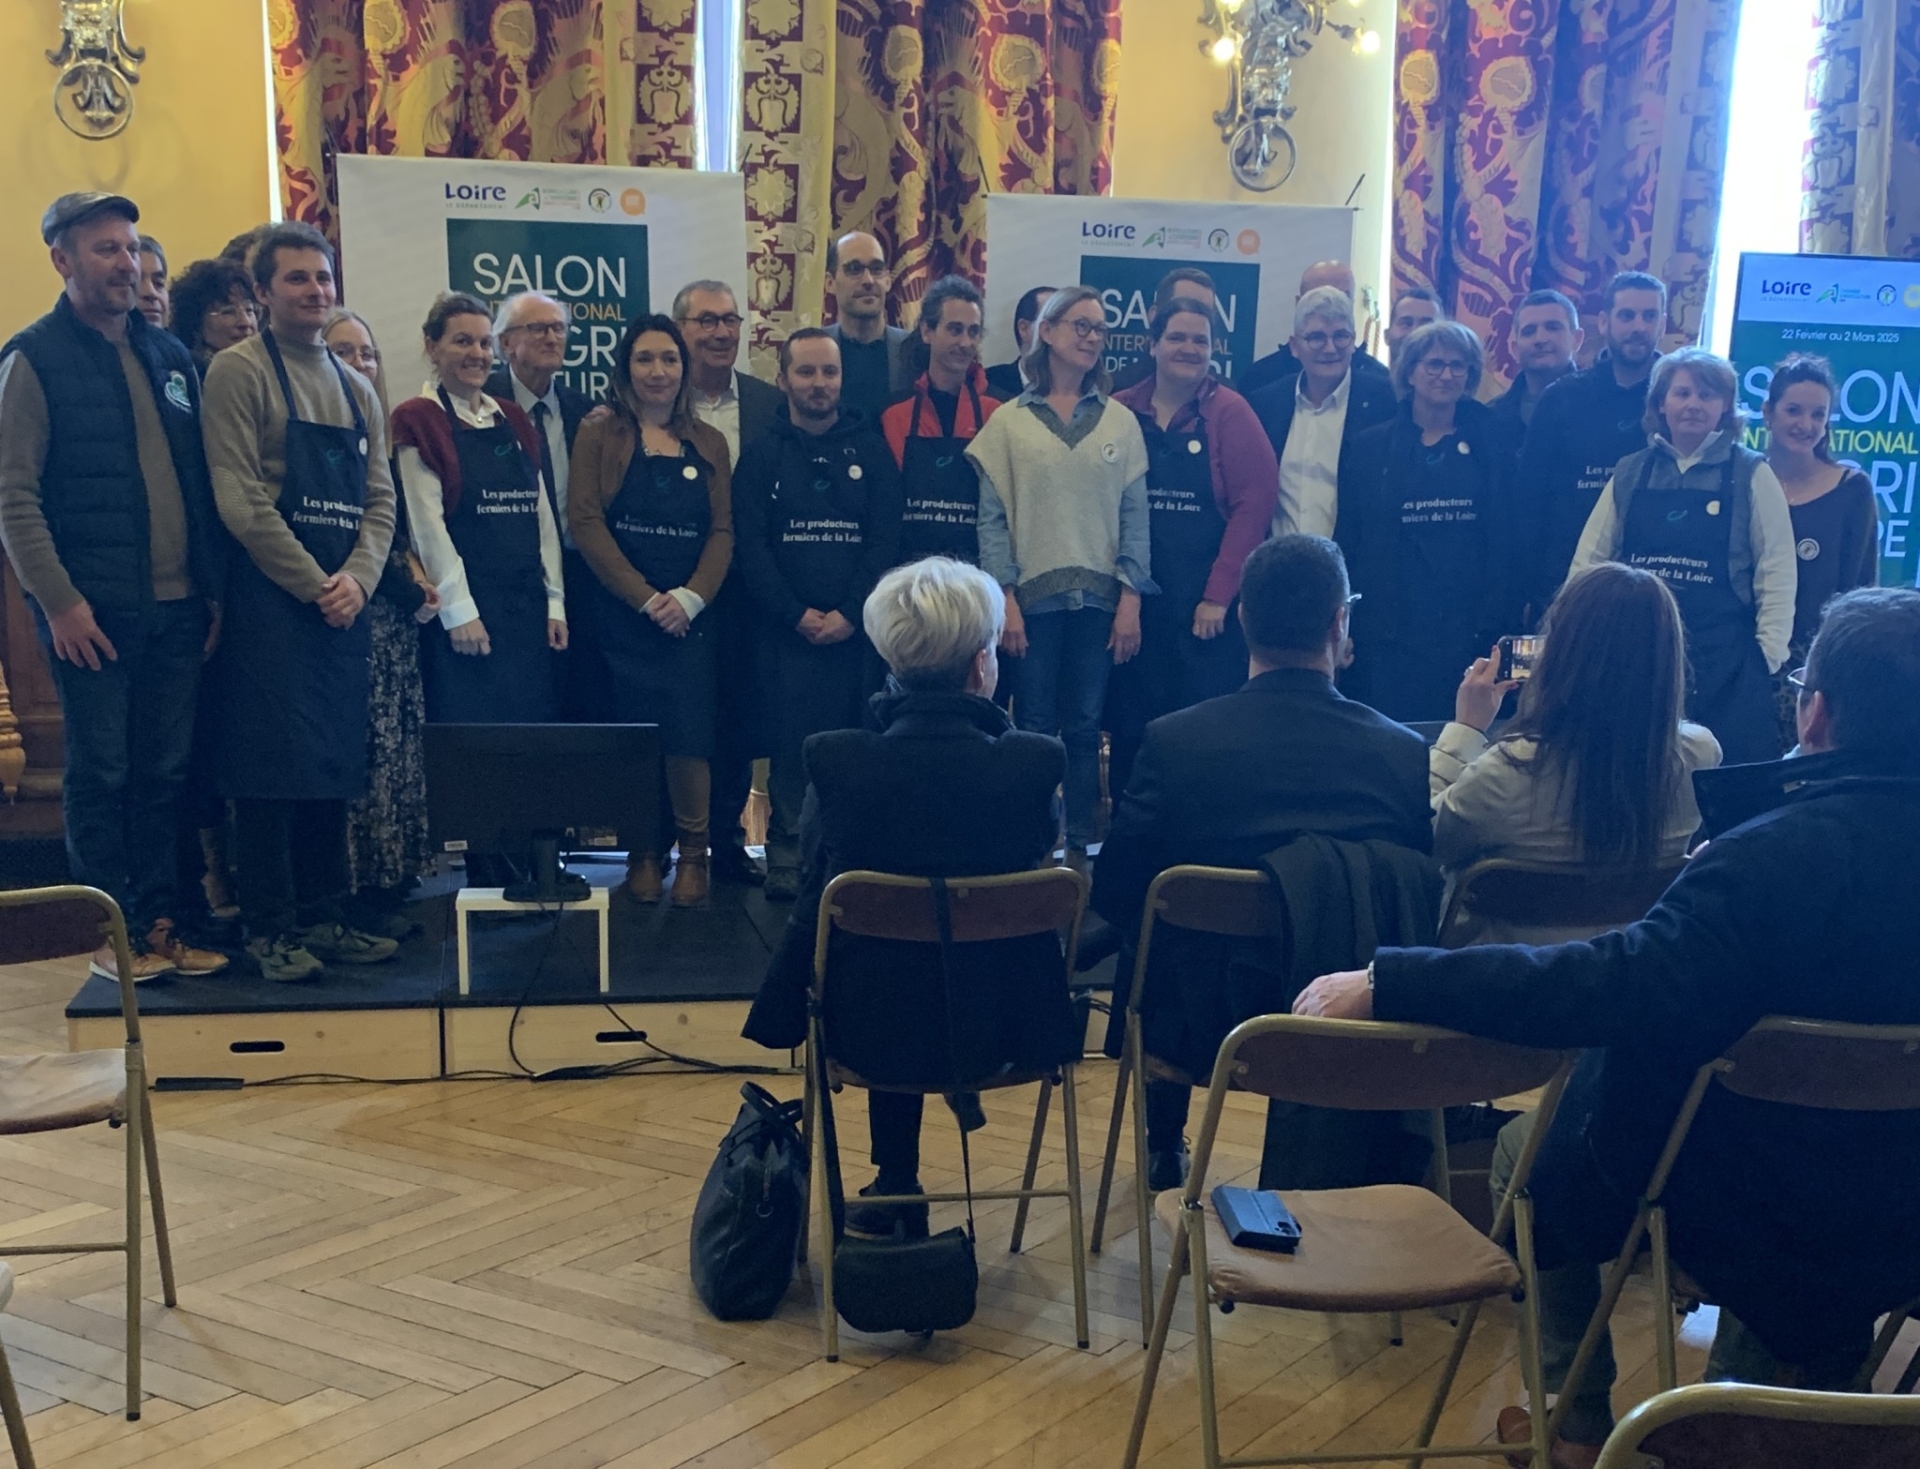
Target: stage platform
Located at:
point(681, 980)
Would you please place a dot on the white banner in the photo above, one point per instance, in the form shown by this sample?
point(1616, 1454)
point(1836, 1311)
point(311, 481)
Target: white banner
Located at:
point(610, 242)
point(1254, 252)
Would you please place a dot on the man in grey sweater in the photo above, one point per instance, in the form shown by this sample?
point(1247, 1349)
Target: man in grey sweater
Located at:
point(297, 445)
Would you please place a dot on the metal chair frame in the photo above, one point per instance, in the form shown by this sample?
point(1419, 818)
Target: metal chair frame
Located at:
point(138, 1122)
point(1247, 907)
point(1189, 1255)
point(1067, 910)
point(1460, 905)
point(10, 1411)
point(1650, 1217)
point(1743, 1400)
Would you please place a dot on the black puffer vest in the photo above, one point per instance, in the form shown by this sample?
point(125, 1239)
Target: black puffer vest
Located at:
point(91, 489)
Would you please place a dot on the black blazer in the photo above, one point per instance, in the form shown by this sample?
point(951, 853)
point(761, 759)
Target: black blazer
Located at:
point(944, 787)
point(1370, 403)
point(574, 404)
point(760, 404)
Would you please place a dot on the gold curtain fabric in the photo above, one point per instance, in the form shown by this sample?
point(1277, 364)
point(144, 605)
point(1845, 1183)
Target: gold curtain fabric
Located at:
point(537, 82)
point(1860, 188)
point(1555, 144)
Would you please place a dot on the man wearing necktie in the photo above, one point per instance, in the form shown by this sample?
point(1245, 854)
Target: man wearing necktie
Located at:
point(531, 329)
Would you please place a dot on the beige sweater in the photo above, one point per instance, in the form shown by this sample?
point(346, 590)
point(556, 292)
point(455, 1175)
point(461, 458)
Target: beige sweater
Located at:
point(245, 420)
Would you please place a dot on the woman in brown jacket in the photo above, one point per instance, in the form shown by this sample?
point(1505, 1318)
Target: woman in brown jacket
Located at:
point(649, 507)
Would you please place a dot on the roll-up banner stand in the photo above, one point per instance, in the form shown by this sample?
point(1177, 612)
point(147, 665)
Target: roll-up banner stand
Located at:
point(610, 243)
point(1121, 247)
point(1863, 315)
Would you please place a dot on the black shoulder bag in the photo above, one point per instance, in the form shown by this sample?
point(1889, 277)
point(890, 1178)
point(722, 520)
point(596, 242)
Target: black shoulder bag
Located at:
point(921, 1285)
point(746, 1226)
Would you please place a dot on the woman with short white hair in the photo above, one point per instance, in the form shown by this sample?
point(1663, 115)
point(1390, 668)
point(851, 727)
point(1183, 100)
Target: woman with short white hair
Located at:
point(941, 785)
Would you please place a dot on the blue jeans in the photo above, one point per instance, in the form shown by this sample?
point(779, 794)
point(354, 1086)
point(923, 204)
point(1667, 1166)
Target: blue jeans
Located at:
point(1063, 691)
point(128, 728)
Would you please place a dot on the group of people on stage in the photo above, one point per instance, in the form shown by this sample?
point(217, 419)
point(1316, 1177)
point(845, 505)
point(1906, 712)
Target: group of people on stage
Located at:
point(208, 471)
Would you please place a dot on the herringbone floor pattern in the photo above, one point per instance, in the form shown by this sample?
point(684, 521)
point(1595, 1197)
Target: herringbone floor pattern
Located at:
point(494, 1275)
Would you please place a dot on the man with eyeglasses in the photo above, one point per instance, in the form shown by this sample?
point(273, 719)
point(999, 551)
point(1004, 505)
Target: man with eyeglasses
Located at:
point(743, 409)
point(107, 514)
point(531, 329)
point(873, 356)
point(1285, 363)
point(1311, 416)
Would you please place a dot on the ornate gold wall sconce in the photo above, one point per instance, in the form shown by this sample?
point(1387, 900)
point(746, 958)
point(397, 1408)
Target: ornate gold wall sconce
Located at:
point(99, 68)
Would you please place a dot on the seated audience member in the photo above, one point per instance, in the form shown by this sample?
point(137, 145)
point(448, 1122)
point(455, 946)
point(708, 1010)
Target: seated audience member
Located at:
point(929, 430)
point(213, 308)
point(1801, 1224)
point(1544, 337)
point(1268, 370)
point(1413, 308)
point(1313, 413)
point(1707, 516)
point(1836, 524)
point(153, 282)
point(1228, 781)
point(1581, 776)
point(1183, 282)
point(942, 787)
point(1426, 523)
point(1003, 378)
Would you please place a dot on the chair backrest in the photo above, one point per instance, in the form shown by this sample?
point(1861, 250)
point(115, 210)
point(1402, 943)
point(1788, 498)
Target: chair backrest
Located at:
point(1713, 1425)
point(1233, 902)
point(1564, 899)
point(58, 922)
point(885, 905)
point(1826, 1064)
point(1371, 1066)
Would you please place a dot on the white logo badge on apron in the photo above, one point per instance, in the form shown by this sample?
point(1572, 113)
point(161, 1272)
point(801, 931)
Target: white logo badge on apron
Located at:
point(689, 472)
point(1808, 550)
point(177, 392)
point(854, 471)
point(1713, 507)
point(1110, 452)
point(1193, 446)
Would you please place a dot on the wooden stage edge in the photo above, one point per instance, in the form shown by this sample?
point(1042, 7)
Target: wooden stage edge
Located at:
point(428, 1041)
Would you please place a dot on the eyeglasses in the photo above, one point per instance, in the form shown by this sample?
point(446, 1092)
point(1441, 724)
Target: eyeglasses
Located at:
point(540, 329)
point(357, 356)
point(1797, 680)
point(233, 312)
point(1439, 367)
point(1320, 341)
point(709, 321)
point(858, 268)
point(1089, 331)
point(1354, 597)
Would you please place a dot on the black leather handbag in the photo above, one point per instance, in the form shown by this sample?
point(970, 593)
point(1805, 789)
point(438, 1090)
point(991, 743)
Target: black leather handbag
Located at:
point(746, 1225)
point(898, 1284)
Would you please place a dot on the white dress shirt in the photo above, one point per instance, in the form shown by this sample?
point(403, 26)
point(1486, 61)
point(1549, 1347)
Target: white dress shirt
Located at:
point(1310, 462)
point(427, 515)
point(556, 432)
point(722, 411)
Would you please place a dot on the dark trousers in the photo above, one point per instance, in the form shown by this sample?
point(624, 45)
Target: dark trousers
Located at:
point(129, 738)
point(1167, 1104)
point(893, 1120)
point(580, 672)
point(1062, 691)
point(292, 864)
point(818, 689)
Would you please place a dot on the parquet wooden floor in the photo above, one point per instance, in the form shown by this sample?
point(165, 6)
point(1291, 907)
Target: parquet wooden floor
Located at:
point(494, 1275)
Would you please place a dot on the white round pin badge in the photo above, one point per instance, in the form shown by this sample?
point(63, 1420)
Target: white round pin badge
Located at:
point(1713, 507)
point(1193, 446)
point(854, 471)
point(1110, 453)
point(689, 472)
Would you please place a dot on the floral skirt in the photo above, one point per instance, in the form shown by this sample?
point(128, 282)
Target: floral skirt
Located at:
point(387, 844)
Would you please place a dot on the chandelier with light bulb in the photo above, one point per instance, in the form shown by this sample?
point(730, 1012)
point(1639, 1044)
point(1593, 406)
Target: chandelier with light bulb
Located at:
point(1258, 41)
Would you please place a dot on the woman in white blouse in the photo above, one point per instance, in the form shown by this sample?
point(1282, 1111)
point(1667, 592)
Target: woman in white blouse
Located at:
point(1596, 768)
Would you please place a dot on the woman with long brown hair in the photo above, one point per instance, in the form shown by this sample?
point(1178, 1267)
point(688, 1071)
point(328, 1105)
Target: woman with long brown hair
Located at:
point(1595, 769)
point(650, 507)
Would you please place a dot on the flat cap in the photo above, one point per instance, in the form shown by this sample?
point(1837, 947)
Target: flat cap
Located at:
point(71, 209)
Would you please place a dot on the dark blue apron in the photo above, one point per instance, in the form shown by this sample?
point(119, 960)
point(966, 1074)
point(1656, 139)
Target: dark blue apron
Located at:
point(660, 520)
point(940, 509)
point(294, 726)
point(1174, 669)
point(495, 526)
point(1682, 536)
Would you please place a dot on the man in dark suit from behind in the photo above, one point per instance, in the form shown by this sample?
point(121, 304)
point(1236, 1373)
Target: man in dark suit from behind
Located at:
point(1226, 782)
point(531, 329)
point(742, 408)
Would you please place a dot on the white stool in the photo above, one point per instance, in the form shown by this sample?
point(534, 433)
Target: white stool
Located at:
point(491, 900)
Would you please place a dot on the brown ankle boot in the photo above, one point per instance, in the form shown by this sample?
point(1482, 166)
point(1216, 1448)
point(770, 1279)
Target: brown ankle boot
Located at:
point(643, 879)
point(690, 878)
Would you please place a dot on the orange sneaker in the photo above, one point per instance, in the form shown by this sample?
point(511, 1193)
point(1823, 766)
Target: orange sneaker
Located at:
point(183, 957)
point(146, 964)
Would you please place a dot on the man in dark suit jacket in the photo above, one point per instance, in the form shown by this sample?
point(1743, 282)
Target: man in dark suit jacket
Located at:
point(1228, 781)
point(943, 787)
point(875, 359)
point(1803, 1225)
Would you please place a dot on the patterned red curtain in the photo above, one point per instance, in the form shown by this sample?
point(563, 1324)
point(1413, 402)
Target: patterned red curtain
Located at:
point(940, 102)
point(475, 79)
point(1554, 144)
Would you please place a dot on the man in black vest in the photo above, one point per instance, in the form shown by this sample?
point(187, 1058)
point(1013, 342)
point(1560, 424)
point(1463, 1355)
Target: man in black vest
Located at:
point(816, 520)
point(107, 516)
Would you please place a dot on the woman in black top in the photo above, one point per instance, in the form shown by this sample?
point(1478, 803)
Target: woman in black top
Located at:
point(1425, 528)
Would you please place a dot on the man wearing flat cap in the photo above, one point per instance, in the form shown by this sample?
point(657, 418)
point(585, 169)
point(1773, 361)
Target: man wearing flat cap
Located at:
point(106, 512)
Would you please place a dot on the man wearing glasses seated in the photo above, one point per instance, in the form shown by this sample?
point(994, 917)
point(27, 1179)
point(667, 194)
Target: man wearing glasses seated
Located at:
point(873, 356)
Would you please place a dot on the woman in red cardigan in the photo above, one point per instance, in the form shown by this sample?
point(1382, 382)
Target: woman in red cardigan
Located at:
point(484, 529)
